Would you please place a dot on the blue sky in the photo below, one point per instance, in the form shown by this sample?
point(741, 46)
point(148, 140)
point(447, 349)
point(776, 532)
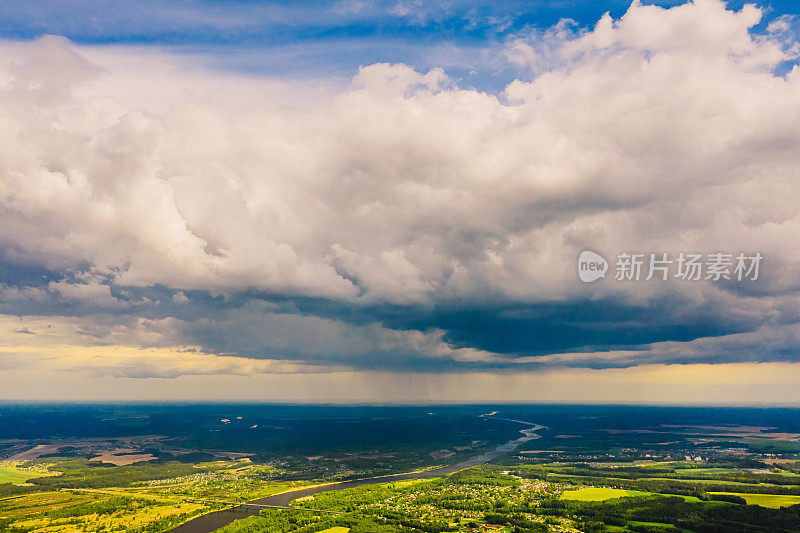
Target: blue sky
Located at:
point(321, 39)
point(319, 193)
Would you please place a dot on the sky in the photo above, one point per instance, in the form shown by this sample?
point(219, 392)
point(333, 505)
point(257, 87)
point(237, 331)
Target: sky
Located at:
point(387, 201)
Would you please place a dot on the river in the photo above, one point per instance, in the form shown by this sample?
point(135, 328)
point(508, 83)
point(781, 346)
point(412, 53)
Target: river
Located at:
point(211, 521)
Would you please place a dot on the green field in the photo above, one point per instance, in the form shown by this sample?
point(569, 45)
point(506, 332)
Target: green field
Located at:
point(691, 471)
point(711, 481)
point(773, 501)
point(12, 475)
point(598, 494)
point(657, 524)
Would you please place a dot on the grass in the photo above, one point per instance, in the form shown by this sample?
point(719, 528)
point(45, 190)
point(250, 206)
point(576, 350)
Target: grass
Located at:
point(690, 471)
point(336, 529)
point(598, 494)
point(710, 481)
point(781, 472)
point(60, 511)
point(12, 475)
point(658, 524)
point(20, 508)
point(773, 501)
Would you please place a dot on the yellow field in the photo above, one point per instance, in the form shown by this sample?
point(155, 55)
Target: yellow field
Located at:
point(57, 512)
point(598, 494)
point(336, 529)
point(772, 501)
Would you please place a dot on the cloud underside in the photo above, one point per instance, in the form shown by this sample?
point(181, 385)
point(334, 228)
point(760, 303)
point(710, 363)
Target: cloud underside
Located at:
point(160, 220)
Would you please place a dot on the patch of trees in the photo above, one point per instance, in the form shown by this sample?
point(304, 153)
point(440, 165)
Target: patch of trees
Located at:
point(282, 521)
point(703, 517)
point(651, 528)
point(6, 527)
point(634, 472)
point(195, 457)
point(103, 507)
point(485, 475)
point(80, 474)
point(679, 487)
point(10, 489)
point(730, 498)
point(520, 523)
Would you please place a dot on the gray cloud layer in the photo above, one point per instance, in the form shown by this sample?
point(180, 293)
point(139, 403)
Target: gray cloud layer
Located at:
point(406, 223)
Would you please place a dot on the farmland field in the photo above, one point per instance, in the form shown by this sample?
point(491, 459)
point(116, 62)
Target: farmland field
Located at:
point(691, 471)
point(773, 501)
point(12, 475)
point(60, 511)
point(599, 494)
point(635, 523)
